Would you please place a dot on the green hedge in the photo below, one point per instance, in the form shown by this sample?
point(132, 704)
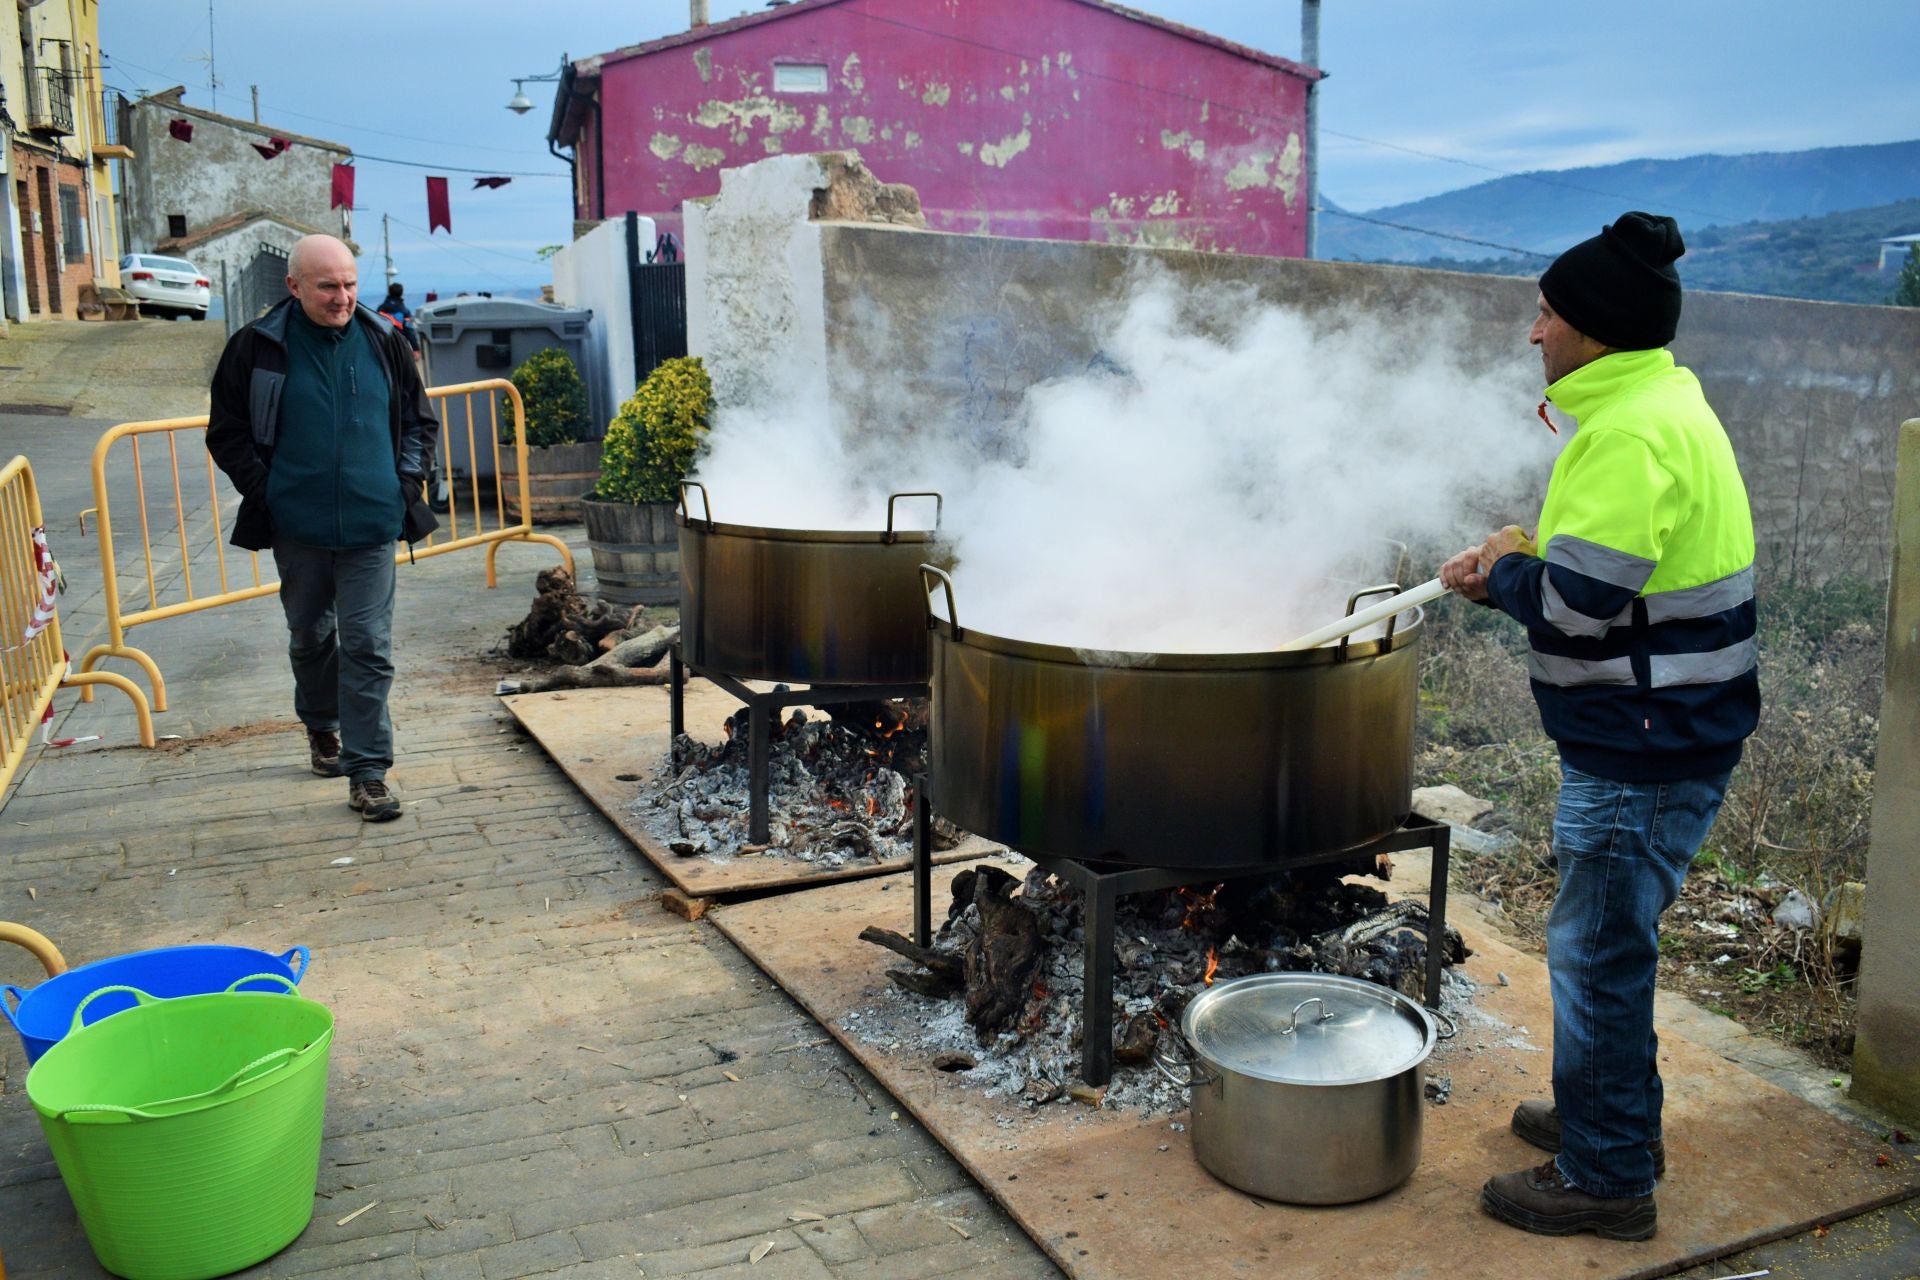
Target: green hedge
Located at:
point(653, 440)
point(554, 397)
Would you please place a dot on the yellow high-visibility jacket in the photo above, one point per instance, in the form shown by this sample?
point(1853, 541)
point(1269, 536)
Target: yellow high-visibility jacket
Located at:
point(1639, 607)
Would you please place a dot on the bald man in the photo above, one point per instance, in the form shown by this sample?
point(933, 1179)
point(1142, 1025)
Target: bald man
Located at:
point(320, 421)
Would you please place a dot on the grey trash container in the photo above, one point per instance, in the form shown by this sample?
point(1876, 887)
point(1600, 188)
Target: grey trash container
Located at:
point(470, 339)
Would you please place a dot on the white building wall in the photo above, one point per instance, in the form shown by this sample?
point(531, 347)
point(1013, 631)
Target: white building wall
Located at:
point(592, 273)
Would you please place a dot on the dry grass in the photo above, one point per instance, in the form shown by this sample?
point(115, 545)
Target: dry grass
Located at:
point(1796, 815)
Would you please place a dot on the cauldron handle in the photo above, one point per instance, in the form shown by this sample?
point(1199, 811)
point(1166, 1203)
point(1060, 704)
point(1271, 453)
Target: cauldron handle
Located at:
point(1384, 589)
point(706, 506)
point(927, 574)
point(1166, 1064)
point(938, 503)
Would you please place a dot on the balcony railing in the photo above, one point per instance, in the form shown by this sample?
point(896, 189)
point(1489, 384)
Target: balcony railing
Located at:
point(49, 102)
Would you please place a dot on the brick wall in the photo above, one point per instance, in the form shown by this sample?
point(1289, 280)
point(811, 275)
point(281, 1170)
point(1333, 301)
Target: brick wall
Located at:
point(53, 282)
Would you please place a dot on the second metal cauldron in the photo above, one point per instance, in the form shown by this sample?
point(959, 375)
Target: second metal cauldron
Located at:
point(803, 606)
point(1172, 760)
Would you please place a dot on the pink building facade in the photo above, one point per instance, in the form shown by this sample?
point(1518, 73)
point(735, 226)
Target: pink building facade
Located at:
point(1058, 119)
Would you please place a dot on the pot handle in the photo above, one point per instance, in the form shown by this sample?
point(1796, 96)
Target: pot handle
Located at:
point(938, 504)
point(706, 505)
point(1453, 1028)
point(1168, 1065)
point(927, 574)
point(1384, 589)
point(1326, 1014)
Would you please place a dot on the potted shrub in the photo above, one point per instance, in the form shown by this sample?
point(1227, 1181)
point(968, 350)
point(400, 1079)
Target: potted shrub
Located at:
point(650, 446)
point(558, 461)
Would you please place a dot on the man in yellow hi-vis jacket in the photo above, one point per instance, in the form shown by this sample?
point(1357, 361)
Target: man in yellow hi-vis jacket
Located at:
point(1637, 596)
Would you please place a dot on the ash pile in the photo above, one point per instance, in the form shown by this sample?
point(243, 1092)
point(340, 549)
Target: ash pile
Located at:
point(837, 788)
point(997, 998)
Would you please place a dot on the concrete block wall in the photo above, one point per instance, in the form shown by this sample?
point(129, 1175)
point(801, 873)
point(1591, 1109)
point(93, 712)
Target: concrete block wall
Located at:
point(1811, 392)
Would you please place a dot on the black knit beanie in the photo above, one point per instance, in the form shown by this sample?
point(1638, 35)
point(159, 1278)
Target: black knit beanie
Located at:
point(1620, 288)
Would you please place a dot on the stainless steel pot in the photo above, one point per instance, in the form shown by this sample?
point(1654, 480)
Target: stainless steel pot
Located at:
point(803, 606)
point(1305, 1086)
point(1172, 759)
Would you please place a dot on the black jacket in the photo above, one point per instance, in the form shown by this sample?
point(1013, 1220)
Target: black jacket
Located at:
point(245, 419)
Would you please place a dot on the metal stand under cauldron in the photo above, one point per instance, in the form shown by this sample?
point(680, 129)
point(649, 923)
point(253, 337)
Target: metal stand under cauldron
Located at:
point(1103, 884)
point(761, 708)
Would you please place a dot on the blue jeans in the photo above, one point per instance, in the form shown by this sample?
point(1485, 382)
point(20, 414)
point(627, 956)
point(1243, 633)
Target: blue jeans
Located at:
point(339, 607)
point(1623, 849)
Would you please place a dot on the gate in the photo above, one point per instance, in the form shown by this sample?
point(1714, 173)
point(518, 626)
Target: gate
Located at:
point(657, 296)
point(261, 284)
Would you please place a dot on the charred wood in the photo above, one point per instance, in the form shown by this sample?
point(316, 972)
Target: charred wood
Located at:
point(943, 964)
point(1001, 958)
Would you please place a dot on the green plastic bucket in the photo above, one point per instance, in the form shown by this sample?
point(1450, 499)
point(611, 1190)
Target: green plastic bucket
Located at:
point(188, 1130)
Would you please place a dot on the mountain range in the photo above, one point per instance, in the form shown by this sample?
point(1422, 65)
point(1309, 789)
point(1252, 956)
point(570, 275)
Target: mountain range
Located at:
point(1805, 223)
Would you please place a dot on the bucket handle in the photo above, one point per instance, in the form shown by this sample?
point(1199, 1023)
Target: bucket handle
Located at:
point(18, 995)
point(938, 504)
point(280, 978)
point(1167, 1064)
point(79, 1010)
point(304, 956)
point(272, 1062)
point(927, 574)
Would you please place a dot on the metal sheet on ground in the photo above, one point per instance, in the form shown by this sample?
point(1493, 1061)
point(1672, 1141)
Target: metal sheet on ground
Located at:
point(1104, 1191)
point(608, 739)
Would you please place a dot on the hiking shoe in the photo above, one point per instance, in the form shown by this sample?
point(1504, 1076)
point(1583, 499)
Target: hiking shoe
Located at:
point(370, 797)
point(1539, 1123)
point(323, 752)
point(1545, 1203)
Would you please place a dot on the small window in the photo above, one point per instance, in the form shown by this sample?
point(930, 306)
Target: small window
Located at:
point(799, 77)
point(176, 225)
point(73, 228)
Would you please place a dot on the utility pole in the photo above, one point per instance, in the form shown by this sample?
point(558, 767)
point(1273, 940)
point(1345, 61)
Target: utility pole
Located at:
point(256, 102)
point(386, 247)
point(1310, 54)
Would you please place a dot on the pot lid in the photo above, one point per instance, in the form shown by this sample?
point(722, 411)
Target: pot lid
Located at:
point(1308, 1028)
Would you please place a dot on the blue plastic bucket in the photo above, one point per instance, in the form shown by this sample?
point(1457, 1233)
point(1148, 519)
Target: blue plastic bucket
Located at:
point(43, 1015)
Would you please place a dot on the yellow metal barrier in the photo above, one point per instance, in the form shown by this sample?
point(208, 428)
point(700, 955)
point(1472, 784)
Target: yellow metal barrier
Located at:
point(209, 531)
point(33, 662)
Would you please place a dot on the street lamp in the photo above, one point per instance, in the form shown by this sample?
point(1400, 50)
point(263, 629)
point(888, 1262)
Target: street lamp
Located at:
point(520, 103)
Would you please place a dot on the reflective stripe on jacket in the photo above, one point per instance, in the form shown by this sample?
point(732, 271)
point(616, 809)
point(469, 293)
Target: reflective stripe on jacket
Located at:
point(1640, 608)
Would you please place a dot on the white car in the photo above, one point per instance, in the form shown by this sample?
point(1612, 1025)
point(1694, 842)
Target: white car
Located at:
point(166, 286)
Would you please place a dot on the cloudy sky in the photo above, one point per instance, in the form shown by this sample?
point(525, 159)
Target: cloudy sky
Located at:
point(1423, 95)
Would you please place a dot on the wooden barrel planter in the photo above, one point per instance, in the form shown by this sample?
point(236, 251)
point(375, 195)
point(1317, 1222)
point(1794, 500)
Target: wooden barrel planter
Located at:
point(557, 474)
point(636, 550)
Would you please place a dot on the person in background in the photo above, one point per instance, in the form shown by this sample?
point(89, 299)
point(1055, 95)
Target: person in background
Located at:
point(395, 309)
point(1637, 596)
point(320, 421)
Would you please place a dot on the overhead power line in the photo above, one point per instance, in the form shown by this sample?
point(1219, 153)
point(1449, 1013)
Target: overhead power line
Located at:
point(1438, 235)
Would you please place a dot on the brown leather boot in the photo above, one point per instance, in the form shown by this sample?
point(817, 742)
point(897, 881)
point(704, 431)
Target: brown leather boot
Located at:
point(1539, 1123)
point(1540, 1200)
point(323, 752)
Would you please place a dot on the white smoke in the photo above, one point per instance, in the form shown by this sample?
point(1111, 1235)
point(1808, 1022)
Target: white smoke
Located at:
point(1221, 485)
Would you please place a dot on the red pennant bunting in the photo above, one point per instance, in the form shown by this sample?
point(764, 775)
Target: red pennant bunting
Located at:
point(342, 187)
point(181, 130)
point(491, 184)
point(438, 218)
point(271, 147)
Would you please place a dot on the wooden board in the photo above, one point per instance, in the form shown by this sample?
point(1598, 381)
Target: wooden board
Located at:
point(607, 739)
point(1104, 1191)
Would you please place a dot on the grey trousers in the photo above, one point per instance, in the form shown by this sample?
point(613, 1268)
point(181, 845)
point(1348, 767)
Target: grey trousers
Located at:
point(339, 608)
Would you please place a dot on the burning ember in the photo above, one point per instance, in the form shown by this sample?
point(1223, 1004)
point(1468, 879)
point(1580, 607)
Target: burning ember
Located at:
point(837, 789)
point(998, 995)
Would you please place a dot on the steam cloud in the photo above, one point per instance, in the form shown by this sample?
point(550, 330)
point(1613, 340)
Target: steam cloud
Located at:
point(1222, 482)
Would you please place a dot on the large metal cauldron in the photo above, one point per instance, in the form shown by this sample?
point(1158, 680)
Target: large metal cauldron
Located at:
point(803, 606)
point(1172, 760)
